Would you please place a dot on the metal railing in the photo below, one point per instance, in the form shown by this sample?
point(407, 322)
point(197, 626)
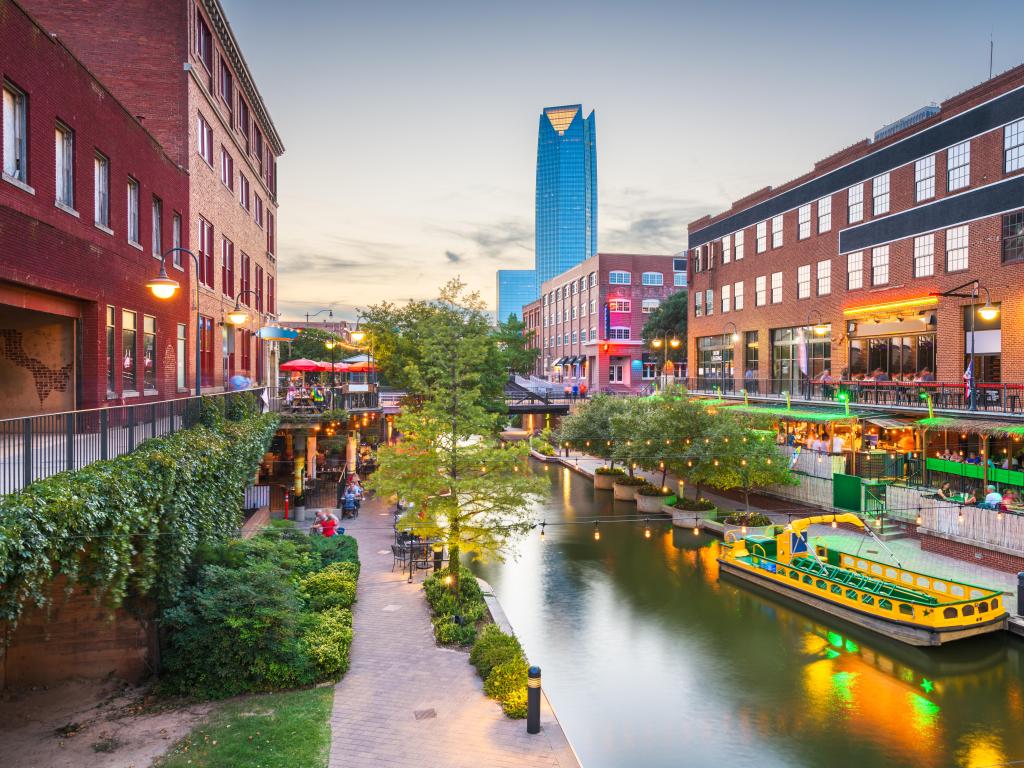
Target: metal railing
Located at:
point(36, 447)
point(312, 402)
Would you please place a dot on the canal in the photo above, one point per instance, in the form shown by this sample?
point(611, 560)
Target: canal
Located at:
point(651, 660)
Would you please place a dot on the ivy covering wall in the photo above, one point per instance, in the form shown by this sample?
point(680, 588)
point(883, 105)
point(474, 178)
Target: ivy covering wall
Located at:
point(132, 525)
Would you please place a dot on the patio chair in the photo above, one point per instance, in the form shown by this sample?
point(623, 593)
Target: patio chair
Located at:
point(400, 555)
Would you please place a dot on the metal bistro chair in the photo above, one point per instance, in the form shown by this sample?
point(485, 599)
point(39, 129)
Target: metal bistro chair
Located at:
point(400, 555)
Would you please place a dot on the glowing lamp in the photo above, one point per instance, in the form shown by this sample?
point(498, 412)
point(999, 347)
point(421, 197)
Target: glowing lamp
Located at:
point(656, 343)
point(238, 316)
point(162, 286)
point(820, 329)
point(674, 343)
point(357, 336)
point(735, 337)
point(988, 312)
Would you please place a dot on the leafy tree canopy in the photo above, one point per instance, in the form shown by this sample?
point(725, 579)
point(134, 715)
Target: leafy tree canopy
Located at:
point(669, 318)
point(513, 343)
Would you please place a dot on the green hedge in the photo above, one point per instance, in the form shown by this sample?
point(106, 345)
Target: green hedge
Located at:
point(499, 660)
point(455, 616)
point(132, 525)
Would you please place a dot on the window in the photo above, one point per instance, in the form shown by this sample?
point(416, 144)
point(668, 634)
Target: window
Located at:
point(776, 231)
point(776, 287)
point(649, 305)
point(593, 279)
point(803, 282)
point(924, 256)
point(204, 43)
point(64, 149)
point(855, 204)
point(257, 209)
point(679, 279)
point(750, 358)
point(158, 226)
point(15, 118)
point(149, 353)
point(245, 279)
point(206, 349)
point(593, 333)
point(245, 341)
point(825, 277)
point(204, 140)
point(205, 253)
point(649, 370)
point(880, 194)
point(762, 236)
point(583, 336)
point(803, 222)
point(129, 362)
point(182, 356)
point(619, 305)
point(565, 340)
point(593, 306)
point(924, 178)
point(958, 166)
point(1013, 146)
point(227, 267)
point(227, 90)
point(133, 211)
point(652, 278)
point(726, 297)
point(760, 291)
point(573, 287)
point(111, 362)
point(101, 190)
point(615, 373)
point(727, 249)
point(227, 169)
point(243, 122)
point(956, 248)
point(573, 315)
point(619, 333)
point(617, 277)
point(709, 302)
point(737, 296)
point(824, 215)
point(176, 238)
point(271, 234)
point(698, 304)
point(574, 337)
point(1013, 237)
point(243, 191)
point(880, 265)
point(855, 270)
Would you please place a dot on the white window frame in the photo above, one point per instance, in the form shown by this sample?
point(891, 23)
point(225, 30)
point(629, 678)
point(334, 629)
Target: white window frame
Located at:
point(803, 281)
point(803, 222)
point(698, 304)
point(924, 255)
point(64, 165)
point(737, 296)
point(615, 277)
point(204, 139)
point(737, 245)
point(855, 270)
point(762, 236)
point(880, 195)
point(593, 306)
point(726, 298)
point(958, 248)
point(619, 333)
point(958, 166)
point(727, 249)
point(855, 204)
point(880, 265)
point(157, 235)
point(924, 178)
point(825, 277)
point(1013, 146)
point(824, 215)
point(15, 130)
point(101, 190)
point(625, 306)
point(777, 231)
point(760, 291)
point(776, 287)
point(679, 279)
point(647, 306)
point(132, 212)
point(652, 278)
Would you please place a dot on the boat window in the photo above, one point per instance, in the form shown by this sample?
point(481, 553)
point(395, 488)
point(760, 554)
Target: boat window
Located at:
point(982, 607)
point(852, 594)
point(995, 603)
point(907, 610)
point(867, 599)
point(949, 613)
point(794, 575)
point(820, 584)
point(957, 590)
point(939, 586)
point(968, 610)
point(887, 604)
point(907, 578)
point(836, 589)
point(876, 569)
point(821, 551)
point(976, 593)
point(924, 581)
point(808, 579)
point(847, 560)
point(862, 564)
point(890, 573)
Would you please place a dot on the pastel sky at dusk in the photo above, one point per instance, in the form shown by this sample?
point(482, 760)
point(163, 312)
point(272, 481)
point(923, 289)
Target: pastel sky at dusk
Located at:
point(410, 127)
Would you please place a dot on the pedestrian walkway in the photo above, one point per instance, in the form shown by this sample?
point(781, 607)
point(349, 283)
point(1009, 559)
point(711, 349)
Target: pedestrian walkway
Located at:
point(405, 702)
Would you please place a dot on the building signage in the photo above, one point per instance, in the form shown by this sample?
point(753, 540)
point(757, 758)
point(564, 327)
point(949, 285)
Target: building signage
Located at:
point(607, 321)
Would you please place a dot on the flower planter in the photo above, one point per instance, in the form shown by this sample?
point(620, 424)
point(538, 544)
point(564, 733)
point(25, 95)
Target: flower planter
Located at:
point(604, 482)
point(652, 504)
point(624, 492)
point(733, 532)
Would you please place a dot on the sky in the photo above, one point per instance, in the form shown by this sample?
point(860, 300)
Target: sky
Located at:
point(410, 128)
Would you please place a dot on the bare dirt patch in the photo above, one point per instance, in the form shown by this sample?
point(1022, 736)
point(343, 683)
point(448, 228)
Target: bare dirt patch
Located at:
point(101, 725)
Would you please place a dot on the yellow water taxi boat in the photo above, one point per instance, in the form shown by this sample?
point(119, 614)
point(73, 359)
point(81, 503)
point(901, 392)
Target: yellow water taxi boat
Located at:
point(905, 605)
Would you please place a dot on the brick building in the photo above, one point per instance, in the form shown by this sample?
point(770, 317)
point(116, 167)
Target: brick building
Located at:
point(588, 321)
point(839, 269)
point(87, 195)
point(178, 66)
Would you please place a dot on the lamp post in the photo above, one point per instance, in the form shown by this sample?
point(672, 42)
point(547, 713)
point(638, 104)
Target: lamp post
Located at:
point(330, 313)
point(164, 287)
point(988, 312)
point(733, 337)
point(237, 316)
point(663, 342)
point(331, 344)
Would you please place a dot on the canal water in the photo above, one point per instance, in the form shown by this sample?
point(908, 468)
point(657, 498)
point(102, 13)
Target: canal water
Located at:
point(650, 659)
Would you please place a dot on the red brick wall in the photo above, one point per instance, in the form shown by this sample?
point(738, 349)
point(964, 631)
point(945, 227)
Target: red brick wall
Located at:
point(971, 554)
point(48, 249)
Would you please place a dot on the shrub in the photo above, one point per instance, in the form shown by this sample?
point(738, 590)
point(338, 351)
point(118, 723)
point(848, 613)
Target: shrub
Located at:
point(493, 647)
point(693, 505)
point(336, 549)
point(647, 489)
point(631, 481)
point(514, 703)
point(331, 587)
point(507, 684)
point(468, 605)
point(609, 471)
point(449, 632)
point(329, 638)
point(544, 449)
point(749, 519)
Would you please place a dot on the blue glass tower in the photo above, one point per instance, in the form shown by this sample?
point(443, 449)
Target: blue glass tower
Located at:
point(566, 217)
point(516, 288)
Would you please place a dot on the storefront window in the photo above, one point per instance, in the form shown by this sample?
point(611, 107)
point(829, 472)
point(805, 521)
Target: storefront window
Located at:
point(149, 352)
point(715, 362)
point(129, 363)
point(650, 367)
point(799, 356)
point(900, 358)
point(111, 365)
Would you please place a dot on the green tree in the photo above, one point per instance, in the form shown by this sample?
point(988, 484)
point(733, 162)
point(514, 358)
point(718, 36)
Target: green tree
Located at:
point(311, 344)
point(669, 318)
point(513, 343)
point(589, 429)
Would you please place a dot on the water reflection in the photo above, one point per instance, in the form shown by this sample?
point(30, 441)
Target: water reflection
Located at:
point(652, 660)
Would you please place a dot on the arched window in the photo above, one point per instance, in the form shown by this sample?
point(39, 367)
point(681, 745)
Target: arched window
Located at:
point(619, 277)
point(653, 278)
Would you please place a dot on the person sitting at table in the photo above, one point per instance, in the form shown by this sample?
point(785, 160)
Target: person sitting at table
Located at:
point(945, 455)
point(956, 456)
point(993, 498)
point(972, 496)
point(945, 492)
point(972, 458)
point(925, 375)
point(326, 523)
point(879, 375)
point(1009, 498)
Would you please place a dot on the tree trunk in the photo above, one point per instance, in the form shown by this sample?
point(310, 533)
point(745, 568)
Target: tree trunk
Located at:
point(453, 568)
point(664, 474)
point(746, 498)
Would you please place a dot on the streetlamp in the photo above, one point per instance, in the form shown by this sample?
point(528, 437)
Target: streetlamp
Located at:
point(818, 327)
point(164, 287)
point(330, 313)
point(733, 337)
point(988, 312)
point(332, 344)
point(663, 342)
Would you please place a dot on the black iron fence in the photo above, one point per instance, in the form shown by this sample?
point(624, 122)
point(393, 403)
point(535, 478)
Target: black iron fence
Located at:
point(315, 401)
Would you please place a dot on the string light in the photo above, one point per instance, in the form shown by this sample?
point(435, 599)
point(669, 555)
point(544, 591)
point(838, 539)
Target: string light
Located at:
point(918, 521)
point(647, 529)
point(542, 531)
point(597, 532)
point(834, 523)
point(696, 530)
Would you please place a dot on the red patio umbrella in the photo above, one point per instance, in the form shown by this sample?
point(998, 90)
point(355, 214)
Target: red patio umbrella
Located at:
point(302, 364)
point(360, 367)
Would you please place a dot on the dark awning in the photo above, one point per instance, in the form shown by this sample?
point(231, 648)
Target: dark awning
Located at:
point(559, 361)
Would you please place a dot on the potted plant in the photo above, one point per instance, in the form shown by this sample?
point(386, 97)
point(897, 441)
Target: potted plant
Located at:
point(650, 498)
point(604, 477)
point(624, 488)
point(690, 510)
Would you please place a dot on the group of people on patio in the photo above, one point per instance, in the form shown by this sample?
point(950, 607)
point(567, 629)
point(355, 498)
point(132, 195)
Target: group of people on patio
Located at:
point(990, 498)
point(1008, 462)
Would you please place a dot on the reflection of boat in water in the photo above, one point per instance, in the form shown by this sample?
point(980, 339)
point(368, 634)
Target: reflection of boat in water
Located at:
point(905, 605)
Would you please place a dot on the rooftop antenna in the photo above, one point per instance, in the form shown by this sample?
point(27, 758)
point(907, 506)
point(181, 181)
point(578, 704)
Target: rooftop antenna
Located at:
point(991, 48)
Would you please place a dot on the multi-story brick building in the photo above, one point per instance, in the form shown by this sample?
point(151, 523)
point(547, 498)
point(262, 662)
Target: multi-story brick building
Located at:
point(178, 67)
point(841, 269)
point(588, 321)
point(87, 197)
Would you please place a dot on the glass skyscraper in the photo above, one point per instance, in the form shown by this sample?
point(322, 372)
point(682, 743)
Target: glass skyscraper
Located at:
point(516, 288)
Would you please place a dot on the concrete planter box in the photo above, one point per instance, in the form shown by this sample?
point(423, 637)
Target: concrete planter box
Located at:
point(764, 530)
point(624, 492)
point(605, 482)
point(652, 504)
point(683, 518)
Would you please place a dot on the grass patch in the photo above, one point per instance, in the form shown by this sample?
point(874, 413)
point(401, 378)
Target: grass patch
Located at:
point(276, 730)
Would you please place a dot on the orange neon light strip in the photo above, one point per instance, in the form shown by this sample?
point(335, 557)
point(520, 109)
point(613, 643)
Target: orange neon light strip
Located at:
point(892, 306)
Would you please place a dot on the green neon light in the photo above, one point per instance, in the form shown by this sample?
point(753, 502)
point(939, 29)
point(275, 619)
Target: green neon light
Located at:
point(852, 647)
point(927, 685)
point(835, 639)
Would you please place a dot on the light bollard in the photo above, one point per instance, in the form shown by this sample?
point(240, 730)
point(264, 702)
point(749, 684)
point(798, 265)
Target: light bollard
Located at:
point(533, 700)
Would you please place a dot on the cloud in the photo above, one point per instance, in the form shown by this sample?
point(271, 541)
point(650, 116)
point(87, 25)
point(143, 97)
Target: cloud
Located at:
point(633, 222)
point(498, 239)
point(453, 257)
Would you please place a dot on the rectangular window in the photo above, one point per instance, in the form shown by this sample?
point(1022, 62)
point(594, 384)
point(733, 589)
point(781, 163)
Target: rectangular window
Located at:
point(593, 333)
point(803, 221)
point(880, 194)
point(855, 270)
point(176, 238)
point(880, 265)
point(776, 231)
point(64, 150)
point(204, 43)
point(619, 333)
point(803, 282)
point(726, 298)
point(271, 234)
point(855, 204)
point(760, 291)
point(227, 169)
point(182, 356)
point(619, 305)
point(698, 304)
point(101, 190)
point(824, 215)
point(129, 350)
point(727, 249)
point(227, 90)
point(737, 242)
point(709, 302)
point(133, 212)
point(593, 306)
point(825, 277)
point(575, 338)
point(243, 191)
point(956, 248)
point(245, 342)
point(227, 267)
point(1013, 146)
point(593, 279)
point(679, 279)
point(15, 116)
point(924, 178)
point(243, 122)
point(111, 362)
point(271, 296)
point(258, 210)
point(573, 315)
point(762, 236)
point(1012, 247)
point(924, 256)
point(574, 288)
point(205, 252)
point(776, 287)
point(245, 279)
point(149, 353)
point(737, 296)
point(617, 277)
point(652, 278)
point(204, 140)
point(649, 305)
point(206, 349)
point(958, 166)
point(158, 227)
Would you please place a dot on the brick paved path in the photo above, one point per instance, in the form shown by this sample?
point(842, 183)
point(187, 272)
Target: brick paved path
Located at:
point(405, 701)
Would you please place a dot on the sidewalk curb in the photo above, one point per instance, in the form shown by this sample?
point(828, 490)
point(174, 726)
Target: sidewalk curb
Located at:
point(559, 739)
